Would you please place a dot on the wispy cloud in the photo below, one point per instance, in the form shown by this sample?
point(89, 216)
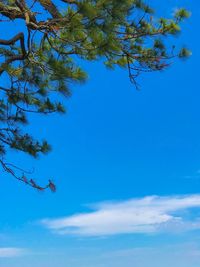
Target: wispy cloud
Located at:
point(143, 215)
point(10, 252)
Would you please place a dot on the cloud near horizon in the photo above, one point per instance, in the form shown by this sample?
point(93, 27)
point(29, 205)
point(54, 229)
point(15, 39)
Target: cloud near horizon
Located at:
point(11, 252)
point(150, 214)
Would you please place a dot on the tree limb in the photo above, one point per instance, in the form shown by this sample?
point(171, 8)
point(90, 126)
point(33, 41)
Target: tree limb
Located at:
point(12, 41)
point(50, 7)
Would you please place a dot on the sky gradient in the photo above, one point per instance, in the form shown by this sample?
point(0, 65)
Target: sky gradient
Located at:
point(127, 167)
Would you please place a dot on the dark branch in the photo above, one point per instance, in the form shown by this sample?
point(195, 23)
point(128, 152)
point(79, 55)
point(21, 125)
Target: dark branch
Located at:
point(12, 41)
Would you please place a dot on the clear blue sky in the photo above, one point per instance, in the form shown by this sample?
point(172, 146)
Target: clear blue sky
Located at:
point(113, 151)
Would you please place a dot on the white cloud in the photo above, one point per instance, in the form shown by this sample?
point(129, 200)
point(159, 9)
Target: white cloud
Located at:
point(143, 215)
point(10, 252)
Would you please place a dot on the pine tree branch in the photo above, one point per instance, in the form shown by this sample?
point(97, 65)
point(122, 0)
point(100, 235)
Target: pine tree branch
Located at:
point(11, 12)
point(50, 7)
point(9, 168)
point(12, 41)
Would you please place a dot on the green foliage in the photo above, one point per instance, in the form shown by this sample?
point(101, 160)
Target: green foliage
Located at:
point(184, 53)
point(124, 33)
point(181, 14)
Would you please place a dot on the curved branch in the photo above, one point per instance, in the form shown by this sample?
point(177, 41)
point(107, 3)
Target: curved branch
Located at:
point(24, 179)
point(12, 41)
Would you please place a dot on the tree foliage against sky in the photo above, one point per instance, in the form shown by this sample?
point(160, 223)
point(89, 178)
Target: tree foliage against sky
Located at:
point(43, 59)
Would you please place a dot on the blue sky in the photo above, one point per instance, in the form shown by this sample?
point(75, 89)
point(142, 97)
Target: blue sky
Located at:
point(127, 168)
